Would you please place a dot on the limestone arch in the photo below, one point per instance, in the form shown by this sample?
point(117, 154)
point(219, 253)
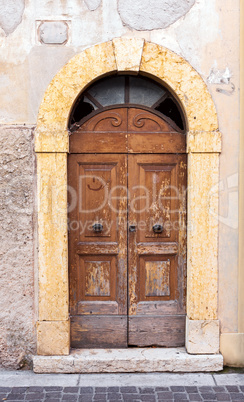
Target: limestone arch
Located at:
point(52, 146)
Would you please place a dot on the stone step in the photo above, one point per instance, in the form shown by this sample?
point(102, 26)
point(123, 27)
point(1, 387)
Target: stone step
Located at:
point(141, 360)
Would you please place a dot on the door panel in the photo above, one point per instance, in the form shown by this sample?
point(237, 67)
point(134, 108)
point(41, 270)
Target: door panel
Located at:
point(157, 260)
point(121, 201)
point(98, 254)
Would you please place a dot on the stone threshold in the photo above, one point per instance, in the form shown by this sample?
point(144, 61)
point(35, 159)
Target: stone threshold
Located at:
point(131, 360)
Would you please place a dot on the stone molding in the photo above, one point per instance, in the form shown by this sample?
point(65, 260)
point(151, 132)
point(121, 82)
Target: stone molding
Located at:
point(204, 145)
point(53, 338)
point(202, 336)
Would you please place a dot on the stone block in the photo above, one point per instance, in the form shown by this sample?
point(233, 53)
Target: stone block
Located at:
point(53, 338)
point(202, 336)
point(53, 236)
point(53, 32)
point(203, 141)
point(142, 360)
point(202, 247)
point(128, 53)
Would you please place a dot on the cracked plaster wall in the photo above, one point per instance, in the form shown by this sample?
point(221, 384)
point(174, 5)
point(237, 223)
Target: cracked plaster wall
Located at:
point(200, 31)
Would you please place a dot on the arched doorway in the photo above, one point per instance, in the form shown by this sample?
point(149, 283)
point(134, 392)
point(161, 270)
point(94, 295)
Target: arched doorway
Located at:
point(203, 148)
point(127, 217)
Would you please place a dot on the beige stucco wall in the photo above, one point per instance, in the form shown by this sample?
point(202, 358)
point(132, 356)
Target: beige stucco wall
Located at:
point(203, 36)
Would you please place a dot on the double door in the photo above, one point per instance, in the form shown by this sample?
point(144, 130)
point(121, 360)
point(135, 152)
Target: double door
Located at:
point(127, 249)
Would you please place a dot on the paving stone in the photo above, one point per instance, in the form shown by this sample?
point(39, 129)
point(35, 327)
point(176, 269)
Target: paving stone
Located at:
point(209, 397)
point(86, 390)
point(71, 390)
point(16, 397)
point(177, 389)
point(191, 389)
point(50, 389)
point(34, 395)
point(236, 396)
point(101, 389)
point(70, 397)
point(85, 398)
point(130, 397)
point(194, 397)
point(148, 398)
point(54, 394)
point(125, 390)
point(165, 395)
point(219, 389)
point(18, 390)
point(162, 389)
point(112, 389)
point(146, 390)
point(180, 396)
point(5, 389)
point(232, 388)
point(205, 389)
point(223, 396)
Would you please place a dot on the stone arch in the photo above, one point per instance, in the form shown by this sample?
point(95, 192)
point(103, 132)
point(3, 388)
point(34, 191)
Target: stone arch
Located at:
point(52, 146)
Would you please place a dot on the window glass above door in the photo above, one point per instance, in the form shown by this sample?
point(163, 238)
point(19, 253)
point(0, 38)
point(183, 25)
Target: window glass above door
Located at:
point(126, 90)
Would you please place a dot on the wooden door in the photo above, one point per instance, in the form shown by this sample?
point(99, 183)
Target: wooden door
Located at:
point(157, 247)
point(127, 231)
point(98, 250)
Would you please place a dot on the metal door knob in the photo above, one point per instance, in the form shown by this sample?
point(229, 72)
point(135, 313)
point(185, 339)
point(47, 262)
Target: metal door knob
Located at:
point(157, 228)
point(97, 227)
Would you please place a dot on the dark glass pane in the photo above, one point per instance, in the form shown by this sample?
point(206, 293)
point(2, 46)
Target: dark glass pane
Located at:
point(110, 91)
point(82, 108)
point(170, 109)
point(144, 92)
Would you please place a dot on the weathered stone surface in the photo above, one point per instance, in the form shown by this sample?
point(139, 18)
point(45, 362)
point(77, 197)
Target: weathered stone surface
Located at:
point(53, 337)
point(186, 82)
point(17, 335)
point(53, 32)
point(11, 12)
point(92, 4)
point(152, 14)
point(202, 336)
point(128, 53)
point(52, 231)
point(203, 141)
point(70, 81)
point(127, 360)
point(202, 236)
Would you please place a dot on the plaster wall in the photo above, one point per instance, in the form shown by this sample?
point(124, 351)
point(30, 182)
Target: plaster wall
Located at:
point(203, 32)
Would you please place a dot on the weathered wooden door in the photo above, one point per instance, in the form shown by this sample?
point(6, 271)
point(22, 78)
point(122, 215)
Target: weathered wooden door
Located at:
point(127, 231)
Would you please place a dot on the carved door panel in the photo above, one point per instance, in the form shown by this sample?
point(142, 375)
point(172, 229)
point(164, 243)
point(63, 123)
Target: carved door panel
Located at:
point(127, 231)
point(98, 250)
point(157, 249)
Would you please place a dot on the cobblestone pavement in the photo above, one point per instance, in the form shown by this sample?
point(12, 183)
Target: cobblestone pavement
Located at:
point(129, 393)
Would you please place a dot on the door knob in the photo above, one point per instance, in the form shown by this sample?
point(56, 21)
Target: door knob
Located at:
point(97, 227)
point(132, 228)
point(157, 228)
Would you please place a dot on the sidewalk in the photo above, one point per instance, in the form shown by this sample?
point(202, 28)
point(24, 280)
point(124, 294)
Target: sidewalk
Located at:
point(22, 378)
point(28, 386)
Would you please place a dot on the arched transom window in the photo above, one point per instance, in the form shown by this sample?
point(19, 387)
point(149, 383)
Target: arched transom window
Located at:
point(127, 90)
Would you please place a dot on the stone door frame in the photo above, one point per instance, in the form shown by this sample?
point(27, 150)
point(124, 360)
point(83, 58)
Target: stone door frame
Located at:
point(203, 148)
